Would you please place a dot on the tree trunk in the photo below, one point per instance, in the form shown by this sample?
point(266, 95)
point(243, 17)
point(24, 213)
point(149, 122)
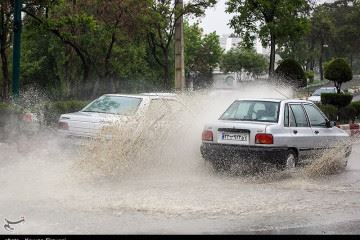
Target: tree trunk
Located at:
point(338, 86)
point(272, 56)
point(4, 32)
point(321, 70)
point(166, 76)
point(5, 73)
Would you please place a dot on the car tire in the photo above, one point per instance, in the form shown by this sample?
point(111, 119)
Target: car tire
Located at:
point(345, 163)
point(290, 161)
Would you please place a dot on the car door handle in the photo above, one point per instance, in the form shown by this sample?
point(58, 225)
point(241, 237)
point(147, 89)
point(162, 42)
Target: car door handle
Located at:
point(316, 132)
point(295, 131)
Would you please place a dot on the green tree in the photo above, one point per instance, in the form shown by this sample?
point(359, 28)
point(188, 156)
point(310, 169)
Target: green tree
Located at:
point(164, 15)
point(106, 36)
point(322, 31)
point(345, 15)
point(271, 20)
point(5, 43)
point(339, 72)
point(241, 60)
point(202, 54)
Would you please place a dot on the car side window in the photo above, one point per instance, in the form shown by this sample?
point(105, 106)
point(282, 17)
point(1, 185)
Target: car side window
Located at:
point(315, 117)
point(286, 116)
point(299, 116)
point(292, 122)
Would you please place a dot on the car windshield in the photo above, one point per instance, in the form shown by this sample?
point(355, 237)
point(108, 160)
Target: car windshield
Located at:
point(114, 105)
point(323, 90)
point(259, 111)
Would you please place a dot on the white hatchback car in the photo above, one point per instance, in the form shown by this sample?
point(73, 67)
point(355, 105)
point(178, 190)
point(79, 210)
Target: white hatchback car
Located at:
point(281, 132)
point(108, 109)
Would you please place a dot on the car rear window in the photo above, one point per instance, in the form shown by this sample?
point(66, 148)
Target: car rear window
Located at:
point(114, 105)
point(257, 111)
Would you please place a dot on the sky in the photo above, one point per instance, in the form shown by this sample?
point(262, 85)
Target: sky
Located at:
point(216, 19)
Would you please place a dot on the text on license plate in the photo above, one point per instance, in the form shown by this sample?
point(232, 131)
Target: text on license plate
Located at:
point(235, 137)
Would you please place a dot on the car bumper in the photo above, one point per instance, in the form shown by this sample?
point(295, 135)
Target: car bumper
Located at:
point(72, 138)
point(239, 153)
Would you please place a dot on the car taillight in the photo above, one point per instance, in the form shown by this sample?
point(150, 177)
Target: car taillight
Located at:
point(207, 135)
point(27, 117)
point(63, 125)
point(263, 138)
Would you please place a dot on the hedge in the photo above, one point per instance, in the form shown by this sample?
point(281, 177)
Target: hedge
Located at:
point(356, 106)
point(8, 111)
point(337, 99)
point(53, 110)
point(292, 72)
point(330, 111)
point(347, 113)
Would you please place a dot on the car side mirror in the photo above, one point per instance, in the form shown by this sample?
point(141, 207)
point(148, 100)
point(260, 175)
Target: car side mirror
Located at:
point(330, 124)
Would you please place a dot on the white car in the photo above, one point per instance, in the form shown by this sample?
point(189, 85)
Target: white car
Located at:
point(280, 132)
point(106, 110)
point(316, 96)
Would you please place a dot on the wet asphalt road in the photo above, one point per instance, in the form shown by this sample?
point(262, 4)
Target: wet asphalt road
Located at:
point(175, 200)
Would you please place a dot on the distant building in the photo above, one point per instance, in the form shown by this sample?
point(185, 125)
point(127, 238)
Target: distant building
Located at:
point(228, 41)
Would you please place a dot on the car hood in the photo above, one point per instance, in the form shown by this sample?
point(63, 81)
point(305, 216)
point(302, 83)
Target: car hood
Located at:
point(314, 98)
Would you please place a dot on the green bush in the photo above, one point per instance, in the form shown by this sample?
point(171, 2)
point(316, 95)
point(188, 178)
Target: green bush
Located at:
point(356, 106)
point(339, 72)
point(330, 111)
point(292, 73)
point(7, 111)
point(338, 100)
point(347, 113)
point(53, 110)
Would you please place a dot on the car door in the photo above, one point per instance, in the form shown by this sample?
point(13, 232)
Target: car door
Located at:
point(323, 136)
point(300, 130)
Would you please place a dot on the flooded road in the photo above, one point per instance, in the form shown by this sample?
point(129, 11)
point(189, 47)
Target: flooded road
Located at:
point(172, 192)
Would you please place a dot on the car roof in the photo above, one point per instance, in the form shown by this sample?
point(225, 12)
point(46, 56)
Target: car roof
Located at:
point(125, 95)
point(326, 88)
point(261, 99)
point(275, 100)
point(146, 95)
point(159, 95)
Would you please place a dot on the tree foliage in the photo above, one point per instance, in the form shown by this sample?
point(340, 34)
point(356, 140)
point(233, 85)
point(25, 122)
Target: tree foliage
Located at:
point(333, 32)
point(339, 72)
point(246, 60)
point(202, 55)
point(270, 20)
point(161, 29)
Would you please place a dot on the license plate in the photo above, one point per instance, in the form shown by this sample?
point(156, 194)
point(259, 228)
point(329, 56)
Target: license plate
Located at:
point(237, 138)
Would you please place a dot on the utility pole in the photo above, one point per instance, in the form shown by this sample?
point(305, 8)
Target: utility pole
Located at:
point(179, 47)
point(16, 47)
